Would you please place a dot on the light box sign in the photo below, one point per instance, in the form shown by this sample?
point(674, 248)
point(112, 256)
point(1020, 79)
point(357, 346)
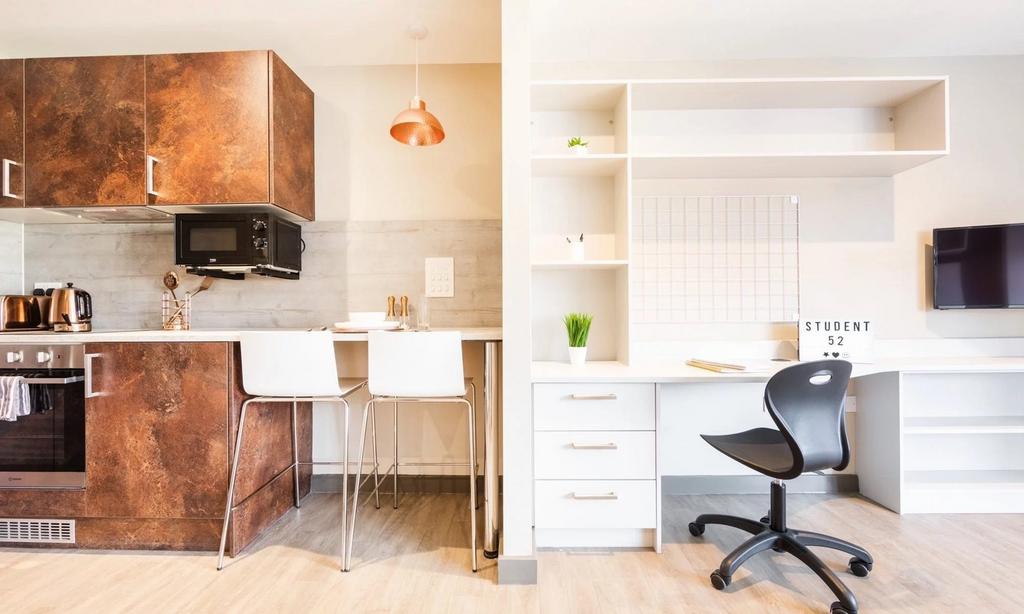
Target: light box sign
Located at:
point(850, 340)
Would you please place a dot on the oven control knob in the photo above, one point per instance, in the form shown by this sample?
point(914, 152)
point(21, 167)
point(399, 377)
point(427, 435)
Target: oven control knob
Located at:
point(43, 357)
point(13, 357)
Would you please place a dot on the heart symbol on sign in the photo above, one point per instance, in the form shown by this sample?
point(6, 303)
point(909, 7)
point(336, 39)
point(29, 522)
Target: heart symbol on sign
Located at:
point(835, 354)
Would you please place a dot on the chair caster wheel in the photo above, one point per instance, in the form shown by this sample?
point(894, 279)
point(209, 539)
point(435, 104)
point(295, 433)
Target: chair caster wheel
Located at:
point(696, 530)
point(719, 581)
point(839, 608)
point(860, 568)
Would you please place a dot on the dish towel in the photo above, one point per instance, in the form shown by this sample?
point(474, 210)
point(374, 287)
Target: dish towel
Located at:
point(15, 400)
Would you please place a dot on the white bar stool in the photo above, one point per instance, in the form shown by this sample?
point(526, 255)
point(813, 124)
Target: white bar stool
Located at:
point(288, 367)
point(416, 367)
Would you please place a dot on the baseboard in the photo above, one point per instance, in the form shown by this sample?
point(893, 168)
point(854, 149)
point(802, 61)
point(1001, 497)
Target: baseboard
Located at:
point(755, 484)
point(418, 484)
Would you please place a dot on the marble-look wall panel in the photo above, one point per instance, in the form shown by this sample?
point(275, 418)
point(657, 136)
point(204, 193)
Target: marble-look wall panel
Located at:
point(10, 258)
point(346, 266)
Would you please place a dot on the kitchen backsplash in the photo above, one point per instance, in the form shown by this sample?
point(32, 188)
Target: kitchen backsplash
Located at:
point(10, 258)
point(347, 266)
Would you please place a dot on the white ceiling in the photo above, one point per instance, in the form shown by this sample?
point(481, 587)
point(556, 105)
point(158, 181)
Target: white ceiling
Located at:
point(304, 32)
point(679, 30)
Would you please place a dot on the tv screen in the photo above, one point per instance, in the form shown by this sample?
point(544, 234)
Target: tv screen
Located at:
point(979, 267)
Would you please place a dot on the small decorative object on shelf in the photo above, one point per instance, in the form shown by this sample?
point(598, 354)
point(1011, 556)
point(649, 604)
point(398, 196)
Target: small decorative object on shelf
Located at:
point(578, 146)
point(576, 253)
point(577, 325)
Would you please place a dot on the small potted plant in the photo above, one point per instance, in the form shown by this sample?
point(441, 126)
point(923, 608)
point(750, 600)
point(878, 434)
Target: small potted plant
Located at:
point(577, 325)
point(578, 146)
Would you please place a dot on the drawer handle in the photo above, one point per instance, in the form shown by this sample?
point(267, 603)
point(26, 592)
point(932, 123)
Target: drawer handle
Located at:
point(592, 497)
point(608, 396)
point(611, 445)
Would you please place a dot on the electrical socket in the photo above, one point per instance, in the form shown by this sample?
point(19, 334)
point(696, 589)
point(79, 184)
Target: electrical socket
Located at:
point(439, 279)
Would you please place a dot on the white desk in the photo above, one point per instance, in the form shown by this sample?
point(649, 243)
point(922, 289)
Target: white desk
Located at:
point(932, 435)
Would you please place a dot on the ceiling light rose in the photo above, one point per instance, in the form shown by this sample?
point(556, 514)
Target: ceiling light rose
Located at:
point(415, 125)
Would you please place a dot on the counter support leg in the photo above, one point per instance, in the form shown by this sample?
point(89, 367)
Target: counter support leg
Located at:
point(491, 449)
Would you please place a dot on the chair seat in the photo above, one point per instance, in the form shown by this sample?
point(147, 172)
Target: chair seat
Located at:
point(762, 449)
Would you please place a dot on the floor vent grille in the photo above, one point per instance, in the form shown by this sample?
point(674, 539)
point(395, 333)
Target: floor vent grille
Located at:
point(37, 531)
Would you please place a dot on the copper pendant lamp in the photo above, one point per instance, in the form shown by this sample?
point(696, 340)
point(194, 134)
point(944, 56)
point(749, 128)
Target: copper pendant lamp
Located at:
point(415, 125)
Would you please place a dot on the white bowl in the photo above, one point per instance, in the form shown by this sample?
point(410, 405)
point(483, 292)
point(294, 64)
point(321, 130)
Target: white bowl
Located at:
point(366, 316)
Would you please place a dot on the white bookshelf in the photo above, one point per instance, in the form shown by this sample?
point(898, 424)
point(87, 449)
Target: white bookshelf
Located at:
point(694, 128)
point(942, 442)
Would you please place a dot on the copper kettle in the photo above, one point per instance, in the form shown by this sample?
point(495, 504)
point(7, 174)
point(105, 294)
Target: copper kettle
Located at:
point(71, 310)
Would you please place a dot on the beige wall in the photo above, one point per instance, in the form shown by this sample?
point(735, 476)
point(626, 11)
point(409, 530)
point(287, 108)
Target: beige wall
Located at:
point(364, 174)
point(863, 241)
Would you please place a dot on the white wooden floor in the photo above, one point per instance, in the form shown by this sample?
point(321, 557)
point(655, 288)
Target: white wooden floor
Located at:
point(417, 560)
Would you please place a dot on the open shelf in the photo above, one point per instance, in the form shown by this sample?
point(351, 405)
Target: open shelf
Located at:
point(597, 111)
point(595, 165)
point(827, 164)
point(570, 265)
point(966, 425)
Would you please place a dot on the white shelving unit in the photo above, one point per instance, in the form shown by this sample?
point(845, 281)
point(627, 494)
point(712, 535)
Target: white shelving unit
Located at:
point(942, 442)
point(693, 128)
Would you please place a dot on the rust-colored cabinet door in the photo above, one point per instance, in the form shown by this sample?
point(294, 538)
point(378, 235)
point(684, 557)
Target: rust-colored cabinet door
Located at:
point(85, 131)
point(12, 128)
point(156, 434)
point(207, 126)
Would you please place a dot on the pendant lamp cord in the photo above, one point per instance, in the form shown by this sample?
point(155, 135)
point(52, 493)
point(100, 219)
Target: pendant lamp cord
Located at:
point(417, 68)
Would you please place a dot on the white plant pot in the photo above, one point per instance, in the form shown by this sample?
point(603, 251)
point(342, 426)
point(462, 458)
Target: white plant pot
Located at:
point(576, 253)
point(577, 356)
point(580, 150)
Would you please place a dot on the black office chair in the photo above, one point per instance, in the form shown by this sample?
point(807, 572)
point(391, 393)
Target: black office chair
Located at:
point(806, 401)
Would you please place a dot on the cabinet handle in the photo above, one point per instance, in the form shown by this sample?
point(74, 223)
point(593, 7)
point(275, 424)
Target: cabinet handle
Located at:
point(7, 193)
point(89, 392)
point(582, 396)
point(150, 163)
point(592, 497)
point(595, 446)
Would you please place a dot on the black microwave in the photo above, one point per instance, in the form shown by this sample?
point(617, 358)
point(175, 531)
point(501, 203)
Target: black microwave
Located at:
point(230, 245)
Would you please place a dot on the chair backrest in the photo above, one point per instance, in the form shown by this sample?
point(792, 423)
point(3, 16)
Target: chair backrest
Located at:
point(289, 364)
point(807, 402)
point(416, 364)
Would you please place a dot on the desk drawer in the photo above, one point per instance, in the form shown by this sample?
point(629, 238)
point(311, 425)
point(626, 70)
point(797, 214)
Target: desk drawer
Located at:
point(593, 407)
point(594, 455)
point(596, 504)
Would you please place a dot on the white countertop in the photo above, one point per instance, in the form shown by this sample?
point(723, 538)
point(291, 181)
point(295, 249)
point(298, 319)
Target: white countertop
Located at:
point(172, 336)
point(761, 371)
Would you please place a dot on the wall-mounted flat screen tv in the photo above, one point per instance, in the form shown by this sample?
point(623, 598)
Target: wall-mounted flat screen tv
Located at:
point(979, 267)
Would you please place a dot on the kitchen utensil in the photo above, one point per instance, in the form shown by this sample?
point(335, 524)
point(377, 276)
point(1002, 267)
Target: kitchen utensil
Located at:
point(186, 305)
point(176, 314)
point(204, 285)
point(171, 283)
point(71, 310)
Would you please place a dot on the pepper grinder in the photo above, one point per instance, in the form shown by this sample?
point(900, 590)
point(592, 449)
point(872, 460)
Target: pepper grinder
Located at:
point(390, 317)
point(404, 311)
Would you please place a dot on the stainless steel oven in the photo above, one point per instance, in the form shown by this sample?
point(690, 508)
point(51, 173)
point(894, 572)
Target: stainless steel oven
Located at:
point(46, 447)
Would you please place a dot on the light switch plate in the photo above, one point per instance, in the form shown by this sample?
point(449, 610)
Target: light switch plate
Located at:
point(440, 277)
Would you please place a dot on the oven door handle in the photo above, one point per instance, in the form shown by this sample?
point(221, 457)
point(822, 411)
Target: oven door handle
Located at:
point(89, 392)
point(55, 381)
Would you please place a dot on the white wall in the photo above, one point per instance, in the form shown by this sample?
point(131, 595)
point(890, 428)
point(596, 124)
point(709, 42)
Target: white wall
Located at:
point(364, 174)
point(11, 269)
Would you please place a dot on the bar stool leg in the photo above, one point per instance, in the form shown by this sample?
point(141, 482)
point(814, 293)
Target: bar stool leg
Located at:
point(295, 449)
point(344, 489)
point(472, 481)
point(395, 484)
point(472, 387)
point(376, 462)
point(355, 494)
point(231, 485)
